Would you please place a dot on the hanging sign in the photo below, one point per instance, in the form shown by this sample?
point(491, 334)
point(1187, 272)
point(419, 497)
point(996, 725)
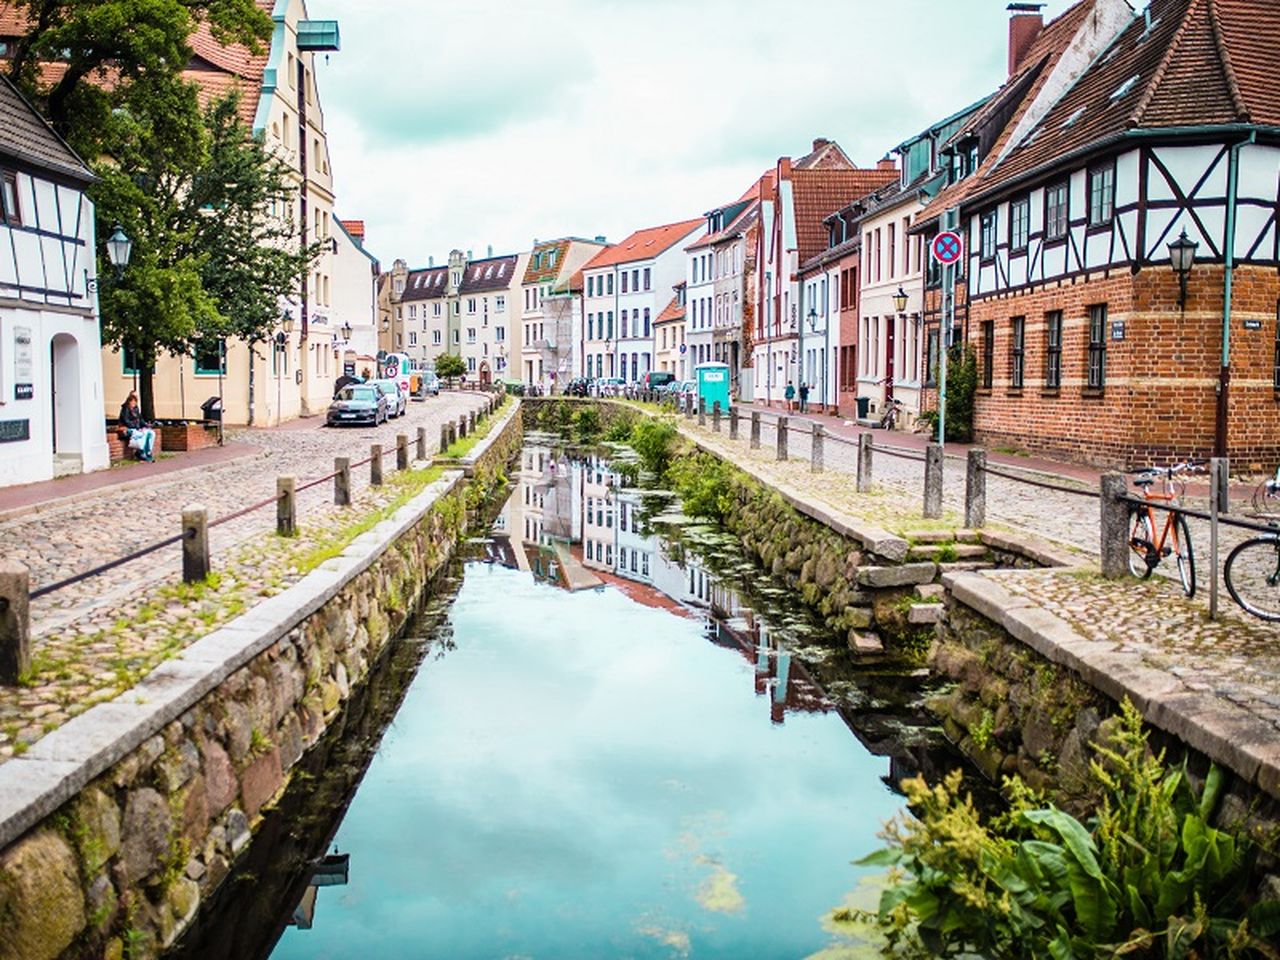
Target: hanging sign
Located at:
point(23, 364)
point(947, 247)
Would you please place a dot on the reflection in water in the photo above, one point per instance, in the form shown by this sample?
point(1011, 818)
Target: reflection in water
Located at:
point(582, 767)
point(332, 871)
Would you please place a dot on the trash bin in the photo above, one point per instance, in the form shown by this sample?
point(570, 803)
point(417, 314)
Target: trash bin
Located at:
point(212, 408)
point(864, 407)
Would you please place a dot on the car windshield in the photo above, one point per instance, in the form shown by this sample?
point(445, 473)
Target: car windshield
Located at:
point(356, 393)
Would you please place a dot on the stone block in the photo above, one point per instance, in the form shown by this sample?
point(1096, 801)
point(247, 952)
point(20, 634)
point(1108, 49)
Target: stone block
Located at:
point(865, 644)
point(907, 574)
point(40, 898)
point(145, 834)
point(260, 781)
point(178, 766)
point(858, 618)
point(237, 828)
point(195, 811)
point(98, 828)
point(220, 782)
point(931, 591)
point(925, 613)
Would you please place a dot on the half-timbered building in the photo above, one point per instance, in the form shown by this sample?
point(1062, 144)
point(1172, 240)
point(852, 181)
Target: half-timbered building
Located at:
point(51, 420)
point(1087, 341)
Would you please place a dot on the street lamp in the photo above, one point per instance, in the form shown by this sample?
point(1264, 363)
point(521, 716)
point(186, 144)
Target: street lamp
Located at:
point(119, 250)
point(813, 320)
point(346, 331)
point(900, 300)
point(1182, 256)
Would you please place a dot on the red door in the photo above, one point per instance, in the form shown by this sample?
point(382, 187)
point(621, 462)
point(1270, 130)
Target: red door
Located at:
point(889, 340)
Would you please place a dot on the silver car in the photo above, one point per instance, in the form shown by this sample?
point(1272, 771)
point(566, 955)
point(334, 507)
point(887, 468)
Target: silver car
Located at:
point(397, 402)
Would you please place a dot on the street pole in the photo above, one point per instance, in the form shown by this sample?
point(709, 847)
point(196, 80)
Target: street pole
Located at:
point(944, 335)
point(222, 364)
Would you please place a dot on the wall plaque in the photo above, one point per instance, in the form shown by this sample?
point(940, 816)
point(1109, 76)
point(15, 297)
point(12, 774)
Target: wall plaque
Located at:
point(1117, 329)
point(1253, 324)
point(11, 431)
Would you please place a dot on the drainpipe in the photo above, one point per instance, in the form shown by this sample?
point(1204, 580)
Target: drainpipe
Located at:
point(1229, 264)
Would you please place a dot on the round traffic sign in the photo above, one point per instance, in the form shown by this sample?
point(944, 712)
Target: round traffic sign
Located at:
point(947, 247)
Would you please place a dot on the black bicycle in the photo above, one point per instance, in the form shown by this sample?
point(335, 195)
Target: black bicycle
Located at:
point(1252, 575)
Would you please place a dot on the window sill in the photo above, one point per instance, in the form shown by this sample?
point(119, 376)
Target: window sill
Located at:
point(1093, 393)
point(1014, 392)
point(1051, 392)
point(983, 391)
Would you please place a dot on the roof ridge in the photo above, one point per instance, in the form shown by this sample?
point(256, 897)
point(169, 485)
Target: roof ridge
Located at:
point(1157, 77)
point(1220, 44)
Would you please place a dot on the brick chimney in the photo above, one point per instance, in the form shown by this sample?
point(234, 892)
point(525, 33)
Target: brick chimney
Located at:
point(1025, 23)
point(886, 163)
point(819, 143)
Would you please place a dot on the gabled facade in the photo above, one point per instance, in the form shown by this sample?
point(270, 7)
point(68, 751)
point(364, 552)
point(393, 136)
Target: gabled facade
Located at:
point(547, 314)
point(51, 420)
point(626, 288)
point(1084, 344)
point(670, 339)
point(715, 286)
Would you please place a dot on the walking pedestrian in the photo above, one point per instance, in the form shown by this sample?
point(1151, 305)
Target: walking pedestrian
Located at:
point(790, 395)
point(804, 398)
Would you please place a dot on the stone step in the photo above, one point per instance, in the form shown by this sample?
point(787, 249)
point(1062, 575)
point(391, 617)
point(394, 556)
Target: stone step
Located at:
point(865, 644)
point(903, 575)
point(925, 613)
point(958, 551)
point(931, 591)
point(943, 536)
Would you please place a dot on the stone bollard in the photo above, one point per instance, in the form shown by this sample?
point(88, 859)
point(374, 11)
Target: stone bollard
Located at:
point(755, 429)
point(975, 490)
point(375, 465)
point(342, 481)
point(444, 437)
point(733, 423)
point(453, 434)
point(816, 449)
point(471, 422)
point(1115, 526)
point(402, 451)
point(462, 428)
point(421, 452)
point(15, 622)
point(195, 543)
point(783, 449)
point(702, 411)
point(287, 506)
point(715, 416)
point(933, 481)
point(688, 409)
point(864, 462)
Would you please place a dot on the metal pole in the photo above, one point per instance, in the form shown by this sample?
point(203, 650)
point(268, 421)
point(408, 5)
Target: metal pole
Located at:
point(222, 367)
point(944, 335)
point(1217, 468)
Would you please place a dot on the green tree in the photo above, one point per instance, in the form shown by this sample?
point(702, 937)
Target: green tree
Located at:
point(449, 365)
point(195, 193)
point(119, 40)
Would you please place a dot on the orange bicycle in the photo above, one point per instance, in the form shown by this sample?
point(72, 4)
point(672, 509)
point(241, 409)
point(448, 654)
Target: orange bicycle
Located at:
point(1145, 549)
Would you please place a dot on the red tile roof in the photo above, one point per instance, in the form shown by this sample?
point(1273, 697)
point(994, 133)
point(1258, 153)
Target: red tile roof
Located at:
point(672, 311)
point(818, 192)
point(353, 227)
point(644, 244)
point(576, 283)
point(541, 272)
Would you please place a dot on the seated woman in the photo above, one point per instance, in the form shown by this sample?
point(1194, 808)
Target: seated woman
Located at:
point(142, 438)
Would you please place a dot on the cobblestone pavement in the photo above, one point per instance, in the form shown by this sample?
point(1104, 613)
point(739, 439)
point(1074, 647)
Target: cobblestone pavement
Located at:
point(96, 637)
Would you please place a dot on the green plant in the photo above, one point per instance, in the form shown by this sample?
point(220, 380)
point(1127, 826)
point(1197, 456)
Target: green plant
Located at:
point(982, 732)
point(586, 422)
point(705, 485)
point(653, 438)
point(962, 383)
point(1146, 876)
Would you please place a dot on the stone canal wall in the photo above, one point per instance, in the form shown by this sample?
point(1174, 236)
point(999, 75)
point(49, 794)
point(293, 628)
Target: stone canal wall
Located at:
point(116, 826)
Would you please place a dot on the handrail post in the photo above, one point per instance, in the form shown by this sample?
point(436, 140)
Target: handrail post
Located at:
point(444, 437)
point(453, 434)
point(715, 416)
point(15, 622)
point(864, 462)
point(342, 481)
point(402, 451)
point(422, 443)
point(975, 490)
point(1114, 513)
point(195, 543)
point(471, 422)
point(816, 464)
point(702, 411)
point(933, 481)
point(755, 429)
point(375, 465)
point(462, 427)
point(733, 423)
point(783, 449)
point(287, 506)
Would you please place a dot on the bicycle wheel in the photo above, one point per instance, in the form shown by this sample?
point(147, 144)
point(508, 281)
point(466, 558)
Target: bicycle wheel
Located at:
point(1141, 543)
point(1185, 555)
point(1252, 575)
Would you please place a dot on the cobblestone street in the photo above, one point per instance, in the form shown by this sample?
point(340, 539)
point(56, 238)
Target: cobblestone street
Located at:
point(95, 637)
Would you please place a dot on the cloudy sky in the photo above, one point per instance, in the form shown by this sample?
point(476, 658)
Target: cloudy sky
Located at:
point(469, 124)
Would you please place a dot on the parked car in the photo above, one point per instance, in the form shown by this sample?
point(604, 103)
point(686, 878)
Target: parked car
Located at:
point(610, 386)
point(358, 403)
point(686, 393)
point(578, 387)
point(397, 399)
point(430, 384)
point(655, 379)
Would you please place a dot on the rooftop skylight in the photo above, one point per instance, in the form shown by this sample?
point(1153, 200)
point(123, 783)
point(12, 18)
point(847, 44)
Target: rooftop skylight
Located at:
point(1125, 87)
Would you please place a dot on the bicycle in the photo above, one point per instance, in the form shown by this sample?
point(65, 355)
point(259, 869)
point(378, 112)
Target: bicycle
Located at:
point(889, 420)
point(1266, 497)
point(1252, 575)
point(1145, 551)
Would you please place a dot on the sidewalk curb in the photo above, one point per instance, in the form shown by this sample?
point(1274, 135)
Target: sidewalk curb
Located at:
point(45, 505)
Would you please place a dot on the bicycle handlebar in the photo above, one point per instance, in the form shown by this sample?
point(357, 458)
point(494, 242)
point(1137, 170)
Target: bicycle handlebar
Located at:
point(1156, 473)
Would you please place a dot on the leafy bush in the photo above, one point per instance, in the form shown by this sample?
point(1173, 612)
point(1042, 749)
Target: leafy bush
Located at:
point(962, 382)
point(653, 439)
point(705, 485)
point(619, 431)
point(450, 365)
point(586, 422)
point(1146, 877)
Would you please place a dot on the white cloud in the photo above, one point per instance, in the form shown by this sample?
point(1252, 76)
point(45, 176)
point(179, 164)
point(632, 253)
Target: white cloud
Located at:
point(493, 123)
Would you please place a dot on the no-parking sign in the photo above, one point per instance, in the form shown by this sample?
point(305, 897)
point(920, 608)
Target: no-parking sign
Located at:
point(947, 247)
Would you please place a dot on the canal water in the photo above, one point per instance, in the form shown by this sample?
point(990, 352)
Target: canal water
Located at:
point(607, 737)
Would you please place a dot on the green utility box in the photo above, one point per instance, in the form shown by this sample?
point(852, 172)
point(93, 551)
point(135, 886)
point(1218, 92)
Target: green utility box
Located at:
point(713, 385)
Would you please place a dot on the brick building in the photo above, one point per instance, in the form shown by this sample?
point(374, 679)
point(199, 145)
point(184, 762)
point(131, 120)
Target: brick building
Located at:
point(1115, 135)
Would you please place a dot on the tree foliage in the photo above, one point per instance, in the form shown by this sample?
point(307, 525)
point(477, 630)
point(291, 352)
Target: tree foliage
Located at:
point(450, 365)
point(1147, 876)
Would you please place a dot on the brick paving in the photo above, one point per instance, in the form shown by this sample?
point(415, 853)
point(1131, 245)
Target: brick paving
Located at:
point(94, 638)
